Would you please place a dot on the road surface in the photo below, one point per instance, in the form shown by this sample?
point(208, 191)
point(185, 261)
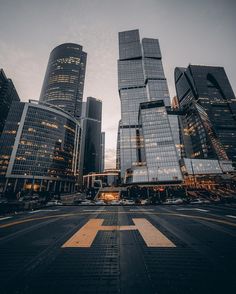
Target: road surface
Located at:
point(117, 249)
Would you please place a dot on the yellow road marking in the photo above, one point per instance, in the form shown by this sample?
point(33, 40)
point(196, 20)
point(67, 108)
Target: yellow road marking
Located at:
point(220, 221)
point(26, 220)
point(151, 235)
point(85, 236)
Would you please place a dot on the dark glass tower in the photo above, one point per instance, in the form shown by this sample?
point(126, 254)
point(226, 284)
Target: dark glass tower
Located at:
point(64, 79)
point(90, 154)
point(209, 105)
point(8, 94)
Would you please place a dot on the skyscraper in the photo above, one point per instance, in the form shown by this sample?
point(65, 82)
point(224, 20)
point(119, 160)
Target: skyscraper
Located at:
point(90, 152)
point(140, 79)
point(8, 94)
point(39, 149)
point(209, 106)
point(64, 79)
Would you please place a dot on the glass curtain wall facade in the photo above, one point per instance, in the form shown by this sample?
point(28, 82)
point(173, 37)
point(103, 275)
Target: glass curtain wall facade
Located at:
point(90, 155)
point(140, 79)
point(159, 160)
point(209, 106)
point(39, 149)
point(8, 94)
point(64, 79)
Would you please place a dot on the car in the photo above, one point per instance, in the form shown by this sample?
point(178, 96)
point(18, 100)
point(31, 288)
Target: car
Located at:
point(199, 201)
point(99, 202)
point(195, 201)
point(168, 201)
point(86, 202)
point(145, 202)
point(128, 202)
point(115, 202)
point(53, 202)
point(178, 201)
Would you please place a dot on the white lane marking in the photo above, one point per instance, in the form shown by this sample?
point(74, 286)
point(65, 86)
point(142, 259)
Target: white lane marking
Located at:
point(42, 210)
point(196, 209)
point(141, 209)
point(93, 210)
point(7, 217)
point(231, 216)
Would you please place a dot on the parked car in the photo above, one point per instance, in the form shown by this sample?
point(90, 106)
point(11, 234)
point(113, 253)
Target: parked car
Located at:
point(53, 202)
point(178, 201)
point(145, 202)
point(86, 202)
point(128, 202)
point(168, 201)
point(199, 201)
point(99, 202)
point(115, 202)
point(173, 201)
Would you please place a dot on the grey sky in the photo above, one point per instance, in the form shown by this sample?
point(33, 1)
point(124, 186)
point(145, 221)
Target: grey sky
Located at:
point(197, 32)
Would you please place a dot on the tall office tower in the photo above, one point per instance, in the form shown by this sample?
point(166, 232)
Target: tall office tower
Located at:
point(90, 152)
point(209, 105)
point(39, 149)
point(102, 161)
point(64, 79)
point(140, 79)
point(8, 94)
point(158, 157)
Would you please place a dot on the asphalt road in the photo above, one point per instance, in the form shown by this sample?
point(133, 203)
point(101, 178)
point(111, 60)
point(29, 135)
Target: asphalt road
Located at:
point(172, 249)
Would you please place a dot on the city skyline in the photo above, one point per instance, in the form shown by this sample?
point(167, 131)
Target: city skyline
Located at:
point(196, 33)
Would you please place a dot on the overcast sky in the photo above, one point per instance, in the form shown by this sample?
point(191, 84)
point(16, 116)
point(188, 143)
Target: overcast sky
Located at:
point(190, 31)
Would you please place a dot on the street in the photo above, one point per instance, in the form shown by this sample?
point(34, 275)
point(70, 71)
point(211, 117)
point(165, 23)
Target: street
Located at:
point(119, 249)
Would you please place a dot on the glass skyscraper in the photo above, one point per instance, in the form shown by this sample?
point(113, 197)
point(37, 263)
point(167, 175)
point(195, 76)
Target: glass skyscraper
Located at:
point(90, 154)
point(140, 79)
point(209, 112)
point(8, 94)
point(39, 149)
point(64, 79)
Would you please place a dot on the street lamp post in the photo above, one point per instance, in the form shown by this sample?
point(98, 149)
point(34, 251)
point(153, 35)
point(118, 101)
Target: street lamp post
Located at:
point(194, 180)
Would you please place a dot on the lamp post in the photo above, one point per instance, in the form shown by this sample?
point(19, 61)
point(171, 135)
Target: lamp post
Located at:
point(194, 180)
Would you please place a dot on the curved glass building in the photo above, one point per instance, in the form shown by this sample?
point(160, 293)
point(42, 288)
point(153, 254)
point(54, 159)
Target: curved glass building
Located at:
point(39, 149)
point(64, 79)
